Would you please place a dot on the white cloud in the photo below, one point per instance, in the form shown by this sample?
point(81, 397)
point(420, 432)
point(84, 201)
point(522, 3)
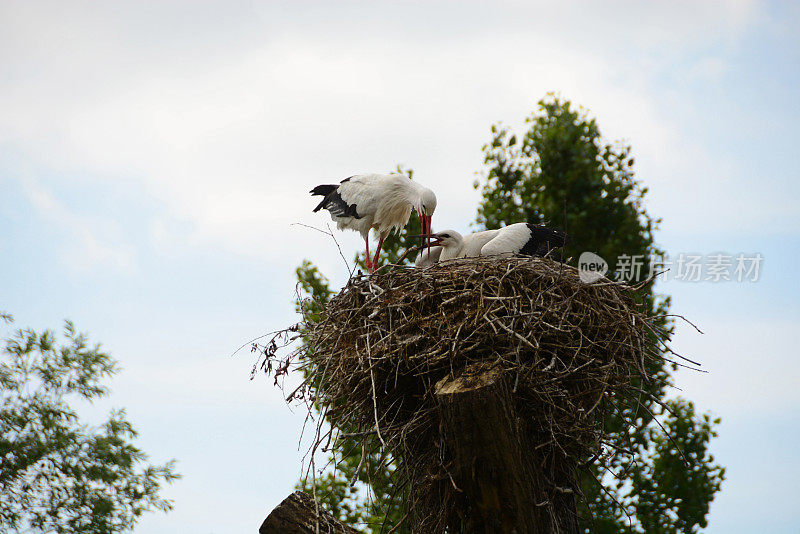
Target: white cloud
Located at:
point(232, 147)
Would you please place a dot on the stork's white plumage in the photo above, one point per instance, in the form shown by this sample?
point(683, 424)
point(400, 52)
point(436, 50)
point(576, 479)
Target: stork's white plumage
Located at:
point(519, 238)
point(454, 245)
point(380, 201)
point(428, 257)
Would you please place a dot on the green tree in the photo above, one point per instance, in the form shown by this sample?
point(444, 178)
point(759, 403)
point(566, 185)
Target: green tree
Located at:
point(562, 173)
point(58, 474)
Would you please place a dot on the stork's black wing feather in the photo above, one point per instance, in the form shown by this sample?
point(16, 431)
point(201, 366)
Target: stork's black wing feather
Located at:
point(543, 240)
point(323, 190)
point(333, 202)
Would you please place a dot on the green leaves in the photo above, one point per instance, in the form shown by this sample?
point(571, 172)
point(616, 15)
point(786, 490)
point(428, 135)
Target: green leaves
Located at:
point(565, 175)
point(57, 474)
point(670, 496)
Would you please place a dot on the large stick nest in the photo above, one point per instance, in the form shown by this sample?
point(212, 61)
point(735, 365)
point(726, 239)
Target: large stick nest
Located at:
point(372, 358)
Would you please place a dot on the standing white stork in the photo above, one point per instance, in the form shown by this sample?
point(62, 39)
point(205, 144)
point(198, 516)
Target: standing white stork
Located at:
point(380, 201)
point(520, 238)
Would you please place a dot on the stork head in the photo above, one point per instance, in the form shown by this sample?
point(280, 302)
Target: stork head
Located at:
point(427, 202)
point(425, 208)
point(448, 239)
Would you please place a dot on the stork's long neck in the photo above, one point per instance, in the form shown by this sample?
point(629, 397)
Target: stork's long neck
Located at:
point(412, 192)
point(452, 249)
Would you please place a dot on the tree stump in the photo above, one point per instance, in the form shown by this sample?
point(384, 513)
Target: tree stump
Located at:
point(299, 513)
point(494, 462)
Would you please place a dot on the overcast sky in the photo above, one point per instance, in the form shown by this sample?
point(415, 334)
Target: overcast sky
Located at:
point(155, 155)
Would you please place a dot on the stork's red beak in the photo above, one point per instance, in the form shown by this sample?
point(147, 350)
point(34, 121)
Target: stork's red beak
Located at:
point(435, 243)
point(426, 228)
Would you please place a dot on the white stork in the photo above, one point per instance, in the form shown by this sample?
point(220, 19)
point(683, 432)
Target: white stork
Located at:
point(380, 201)
point(520, 238)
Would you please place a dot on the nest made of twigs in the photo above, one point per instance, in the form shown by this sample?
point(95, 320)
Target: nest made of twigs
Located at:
point(381, 345)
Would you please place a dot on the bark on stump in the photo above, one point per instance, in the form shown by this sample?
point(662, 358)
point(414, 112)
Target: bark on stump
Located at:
point(495, 463)
point(299, 513)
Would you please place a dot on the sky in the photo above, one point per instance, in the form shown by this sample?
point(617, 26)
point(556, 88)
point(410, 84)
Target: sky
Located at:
point(156, 157)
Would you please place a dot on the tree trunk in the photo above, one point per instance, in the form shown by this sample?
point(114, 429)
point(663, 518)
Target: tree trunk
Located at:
point(506, 482)
point(299, 513)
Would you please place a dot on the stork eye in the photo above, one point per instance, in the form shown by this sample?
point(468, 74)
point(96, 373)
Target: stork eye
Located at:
point(446, 236)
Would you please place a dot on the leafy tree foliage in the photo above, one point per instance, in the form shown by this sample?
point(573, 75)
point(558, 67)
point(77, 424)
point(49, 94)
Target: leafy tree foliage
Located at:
point(56, 473)
point(670, 497)
point(561, 172)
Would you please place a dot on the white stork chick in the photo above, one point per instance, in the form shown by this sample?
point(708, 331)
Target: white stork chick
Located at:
point(380, 201)
point(454, 245)
point(520, 238)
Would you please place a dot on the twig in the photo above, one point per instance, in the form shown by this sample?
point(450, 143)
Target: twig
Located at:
point(330, 233)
